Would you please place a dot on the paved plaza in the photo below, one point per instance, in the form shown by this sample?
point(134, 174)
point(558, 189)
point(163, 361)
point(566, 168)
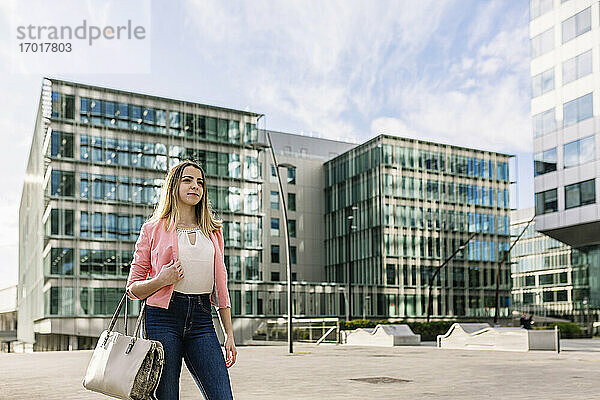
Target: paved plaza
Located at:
point(338, 372)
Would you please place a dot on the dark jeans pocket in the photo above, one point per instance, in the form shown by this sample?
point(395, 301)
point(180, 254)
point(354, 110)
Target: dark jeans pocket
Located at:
point(205, 305)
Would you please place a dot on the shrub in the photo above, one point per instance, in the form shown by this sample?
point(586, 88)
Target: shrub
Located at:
point(568, 330)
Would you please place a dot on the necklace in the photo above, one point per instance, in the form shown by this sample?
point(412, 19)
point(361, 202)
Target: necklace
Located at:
point(188, 229)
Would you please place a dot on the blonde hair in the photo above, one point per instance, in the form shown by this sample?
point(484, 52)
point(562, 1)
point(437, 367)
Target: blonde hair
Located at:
point(167, 208)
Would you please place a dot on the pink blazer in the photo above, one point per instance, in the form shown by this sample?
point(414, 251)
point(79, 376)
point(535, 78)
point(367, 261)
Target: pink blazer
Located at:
point(155, 247)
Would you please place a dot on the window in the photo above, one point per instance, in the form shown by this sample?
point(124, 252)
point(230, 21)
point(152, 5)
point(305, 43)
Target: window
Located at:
point(539, 7)
point(60, 261)
point(542, 83)
point(252, 272)
point(275, 276)
point(577, 67)
point(63, 106)
point(274, 226)
point(250, 133)
point(61, 222)
point(577, 25)
point(251, 169)
point(232, 234)
point(579, 152)
point(546, 279)
point(390, 273)
point(61, 145)
point(105, 300)
point(548, 296)
point(273, 174)
point(293, 259)
point(530, 280)
point(274, 200)
point(84, 224)
point(292, 227)
point(562, 277)
point(578, 109)
point(252, 234)
point(233, 267)
point(235, 166)
point(233, 134)
point(546, 202)
point(291, 204)
point(561, 295)
point(104, 262)
point(291, 176)
point(275, 253)
point(62, 183)
point(60, 301)
point(542, 43)
point(234, 199)
point(528, 298)
point(544, 122)
point(250, 201)
point(545, 161)
point(580, 194)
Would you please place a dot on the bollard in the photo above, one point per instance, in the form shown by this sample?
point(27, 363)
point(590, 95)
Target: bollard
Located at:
point(557, 339)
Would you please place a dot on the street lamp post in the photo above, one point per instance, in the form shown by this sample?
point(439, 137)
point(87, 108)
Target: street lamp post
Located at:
point(269, 145)
point(504, 257)
point(437, 271)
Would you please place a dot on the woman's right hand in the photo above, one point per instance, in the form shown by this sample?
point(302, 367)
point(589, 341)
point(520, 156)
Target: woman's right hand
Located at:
point(171, 273)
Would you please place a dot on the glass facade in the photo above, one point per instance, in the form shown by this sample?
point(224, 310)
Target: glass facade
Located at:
point(109, 154)
point(396, 208)
point(545, 273)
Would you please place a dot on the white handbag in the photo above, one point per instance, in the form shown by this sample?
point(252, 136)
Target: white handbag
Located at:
point(125, 367)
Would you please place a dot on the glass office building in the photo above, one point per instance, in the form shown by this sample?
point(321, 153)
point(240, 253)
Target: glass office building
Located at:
point(97, 162)
point(564, 110)
point(396, 208)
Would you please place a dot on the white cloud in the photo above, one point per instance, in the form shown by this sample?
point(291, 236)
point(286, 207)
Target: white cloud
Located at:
point(316, 65)
point(482, 102)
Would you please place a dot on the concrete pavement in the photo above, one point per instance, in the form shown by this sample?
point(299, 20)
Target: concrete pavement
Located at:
point(346, 372)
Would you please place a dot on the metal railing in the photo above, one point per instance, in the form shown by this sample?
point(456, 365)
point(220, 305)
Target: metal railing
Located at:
point(310, 330)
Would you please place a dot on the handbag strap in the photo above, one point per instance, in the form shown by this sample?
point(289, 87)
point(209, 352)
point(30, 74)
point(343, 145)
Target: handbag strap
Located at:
point(126, 318)
point(138, 324)
point(113, 321)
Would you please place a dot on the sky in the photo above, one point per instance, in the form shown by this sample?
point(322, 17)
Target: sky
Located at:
point(449, 71)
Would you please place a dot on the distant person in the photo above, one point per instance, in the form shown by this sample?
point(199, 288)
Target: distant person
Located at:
point(529, 322)
point(523, 320)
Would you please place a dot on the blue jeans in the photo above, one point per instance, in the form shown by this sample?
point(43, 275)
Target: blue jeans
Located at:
point(186, 330)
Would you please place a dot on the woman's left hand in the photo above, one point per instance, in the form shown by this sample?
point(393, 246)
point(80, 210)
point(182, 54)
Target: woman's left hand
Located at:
point(230, 352)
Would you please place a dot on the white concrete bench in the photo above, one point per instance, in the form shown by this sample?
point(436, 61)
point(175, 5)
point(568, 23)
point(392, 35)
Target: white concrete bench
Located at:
point(484, 337)
point(383, 335)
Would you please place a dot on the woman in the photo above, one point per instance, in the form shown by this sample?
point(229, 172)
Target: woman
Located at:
point(181, 249)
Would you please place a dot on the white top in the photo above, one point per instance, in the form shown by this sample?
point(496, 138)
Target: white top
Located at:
point(198, 262)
